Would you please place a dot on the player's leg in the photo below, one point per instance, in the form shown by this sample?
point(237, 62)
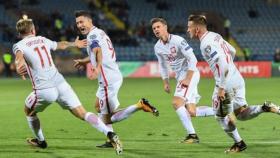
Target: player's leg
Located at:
point(37, 101)
point(223, 113)
point(202, 111)
point(187, 96)
point(194, 110)
point(107, 143)
point(69, 100)
point(193, 97)
point(185, 118)
point(123, 114)
point(244, 112)
point(110, 104)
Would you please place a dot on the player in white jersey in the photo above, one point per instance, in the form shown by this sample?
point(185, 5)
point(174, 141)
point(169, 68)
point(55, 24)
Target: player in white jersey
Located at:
point(33, 56)
point(229, 93)
point(103, 60)
point(175, 51)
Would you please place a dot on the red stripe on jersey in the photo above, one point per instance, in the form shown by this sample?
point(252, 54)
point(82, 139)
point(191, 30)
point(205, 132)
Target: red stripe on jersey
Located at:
point(218, 69)
point(107, 100)
point(226, 51)
point(227, 58)
point(40, 56)
point(49, 59)
point(113, 54)
point(103, 75)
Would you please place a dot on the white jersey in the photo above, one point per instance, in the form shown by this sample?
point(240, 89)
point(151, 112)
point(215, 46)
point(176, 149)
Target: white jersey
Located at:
point(219, 54)
point(40, 66)
point(110, 72)
point(178, 54)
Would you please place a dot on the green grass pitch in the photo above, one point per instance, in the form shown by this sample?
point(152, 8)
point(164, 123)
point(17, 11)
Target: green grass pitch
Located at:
point(143, 135)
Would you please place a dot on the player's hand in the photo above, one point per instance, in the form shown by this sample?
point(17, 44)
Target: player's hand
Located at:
point(80, 43)
point(94, 75)
point(221, 94)
point(185, 83)
point(166, 88)
point(79, 64)
point(21, 70)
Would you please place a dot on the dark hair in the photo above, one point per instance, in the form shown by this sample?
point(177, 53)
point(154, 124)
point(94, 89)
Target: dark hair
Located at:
point(198, 19)
point(84, 13)
point(154, 20)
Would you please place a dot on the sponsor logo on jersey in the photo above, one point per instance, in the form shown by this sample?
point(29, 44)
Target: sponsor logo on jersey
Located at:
point(187, 48)
point(213, 54)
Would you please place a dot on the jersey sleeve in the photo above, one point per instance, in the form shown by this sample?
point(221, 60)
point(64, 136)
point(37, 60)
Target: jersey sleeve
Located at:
point(50, 43)
point(220, 62)
point(231, 49)
point(17, 48)
point(162, 65)
point(187, 51)
point(94, 41)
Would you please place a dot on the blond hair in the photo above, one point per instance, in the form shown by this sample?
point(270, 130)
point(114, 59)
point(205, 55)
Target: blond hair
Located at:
point(198, 19)
point(24, 26)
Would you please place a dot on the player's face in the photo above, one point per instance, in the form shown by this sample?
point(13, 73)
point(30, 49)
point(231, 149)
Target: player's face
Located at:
point(159, 29)
point(84, 24)
point(192, 29)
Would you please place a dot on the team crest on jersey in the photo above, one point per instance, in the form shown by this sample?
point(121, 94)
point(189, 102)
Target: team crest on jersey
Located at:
point(208, 49)
point(92, 37)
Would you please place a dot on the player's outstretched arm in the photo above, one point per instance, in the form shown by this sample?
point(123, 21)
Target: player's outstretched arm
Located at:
point(77, 43)
point(81, 63)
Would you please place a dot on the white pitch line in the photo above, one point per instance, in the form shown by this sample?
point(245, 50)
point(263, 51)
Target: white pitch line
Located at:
point(247, 142)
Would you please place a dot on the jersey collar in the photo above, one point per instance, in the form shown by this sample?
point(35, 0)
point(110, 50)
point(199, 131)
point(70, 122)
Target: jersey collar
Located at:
point(169, 38)
point(201, 38)
point(28, 36)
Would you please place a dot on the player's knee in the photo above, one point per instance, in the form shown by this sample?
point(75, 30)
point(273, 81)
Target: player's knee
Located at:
point(177, 102)
point(238, 113)
point(192, 112)
point(175, 105)
point(97, 108)
point(226, 124)
point(191, 109)
point(29, 112)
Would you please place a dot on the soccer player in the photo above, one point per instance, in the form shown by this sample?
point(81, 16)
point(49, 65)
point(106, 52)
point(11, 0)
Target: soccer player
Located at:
point(229, 92)
point(33, 56)
point(174, 50)
point(102, 57)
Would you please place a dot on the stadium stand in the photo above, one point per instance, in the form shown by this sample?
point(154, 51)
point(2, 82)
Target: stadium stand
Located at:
point(254, 24)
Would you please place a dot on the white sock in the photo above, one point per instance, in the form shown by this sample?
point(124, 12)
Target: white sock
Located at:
point(250, 112)
point(229, 128)
point(96, 122)
point(204, 111)
point(185, 119)
point(34, 124)
point(235, 135)
point(110, 127)
point(124, 114)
